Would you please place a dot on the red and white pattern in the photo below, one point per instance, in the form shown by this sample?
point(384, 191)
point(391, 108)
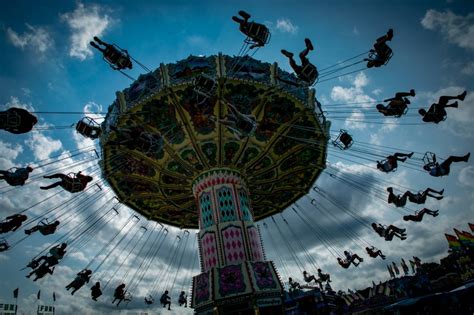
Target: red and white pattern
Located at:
point(209, 250)
point(216, 177)
point(234, 249)
point(255, 244)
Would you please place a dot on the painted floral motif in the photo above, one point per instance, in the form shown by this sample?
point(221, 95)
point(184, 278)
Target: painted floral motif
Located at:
point(263, 275)
point(231, 280)
point(202, 288)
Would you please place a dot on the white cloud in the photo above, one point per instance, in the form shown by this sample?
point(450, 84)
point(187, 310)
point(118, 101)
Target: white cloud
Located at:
point(354, 94)
point(85, 23)
point(284, 25)
point(457, 29)
point(356, 120)
point(42, 145)
point(377, 92)
point(468, 69)
point(9, 153)
point(466, 176)
point(15, 102)
point(37, 38)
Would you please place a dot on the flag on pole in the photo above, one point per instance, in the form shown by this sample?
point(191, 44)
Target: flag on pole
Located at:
point(404, 267)
point(395, 268)
point(38, 296)
point(390, 271)
point(417, 261)
point(453, 242)
point(15, 293)
point(464, 239)
point(469, 236)
point(412, 264)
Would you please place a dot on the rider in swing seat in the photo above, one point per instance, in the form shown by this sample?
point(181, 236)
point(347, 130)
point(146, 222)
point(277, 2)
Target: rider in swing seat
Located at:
point(82, 278)
point(16, 176)
point(118, 58)
point(182, 299)
point(374, 252)
point(306, 72)
point(17, 120)
point(44, 228)
point(435, 169)
point(256, 32)
point(389, 232)
point(12, 223)
point(381, 53)
point(119, 294)
point(96, 291)
point(437, 111)
point(72, 184)
point(397, 105)
point(418, 216)
point(391, 162)
point(166, 300)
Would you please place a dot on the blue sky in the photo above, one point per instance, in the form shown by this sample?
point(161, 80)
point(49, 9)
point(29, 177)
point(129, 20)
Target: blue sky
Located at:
point(47, 65)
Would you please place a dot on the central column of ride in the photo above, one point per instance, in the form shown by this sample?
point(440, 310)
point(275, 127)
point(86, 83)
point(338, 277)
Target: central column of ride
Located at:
point(234, 274)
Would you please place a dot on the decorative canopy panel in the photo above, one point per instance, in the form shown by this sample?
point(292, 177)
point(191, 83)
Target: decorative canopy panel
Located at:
point(165, 130)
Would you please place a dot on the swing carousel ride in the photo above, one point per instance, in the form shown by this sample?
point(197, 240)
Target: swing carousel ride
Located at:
point(188, 169)
point(214, 143)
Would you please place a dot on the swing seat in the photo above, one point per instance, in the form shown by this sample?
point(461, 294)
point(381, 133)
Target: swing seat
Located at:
point(428, 159)
point(343, 141)
point(382, 57)
point(309, 74)
point(88, 128)
point(404, 111)
point(10, 119)
point(117, 58)
point(204, 85)
point(73, 184)
point(383, 162)
point(257, 34)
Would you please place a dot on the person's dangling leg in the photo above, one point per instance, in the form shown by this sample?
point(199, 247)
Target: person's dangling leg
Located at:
point(398, 154)
point(400, 95)
point(32, 230)
point(396, 229)
point(304, 53)
point(443, 100)
point(93, 44)
point(433, 213)
point(291, 60)
point(51, 186)
point(238, 20)
point(428, 190)
point(447, 163)
point(62, 176)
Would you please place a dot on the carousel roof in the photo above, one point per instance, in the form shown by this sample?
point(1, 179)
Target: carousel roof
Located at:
point(279, 162)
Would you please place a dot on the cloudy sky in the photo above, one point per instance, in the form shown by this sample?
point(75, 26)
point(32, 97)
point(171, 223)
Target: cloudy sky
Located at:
point(48, 66)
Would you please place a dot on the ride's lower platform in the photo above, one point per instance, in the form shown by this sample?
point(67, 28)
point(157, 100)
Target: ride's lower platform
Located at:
point(245, 288)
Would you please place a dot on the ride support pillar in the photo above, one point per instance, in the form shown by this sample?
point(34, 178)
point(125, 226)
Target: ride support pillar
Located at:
point(234, 272)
